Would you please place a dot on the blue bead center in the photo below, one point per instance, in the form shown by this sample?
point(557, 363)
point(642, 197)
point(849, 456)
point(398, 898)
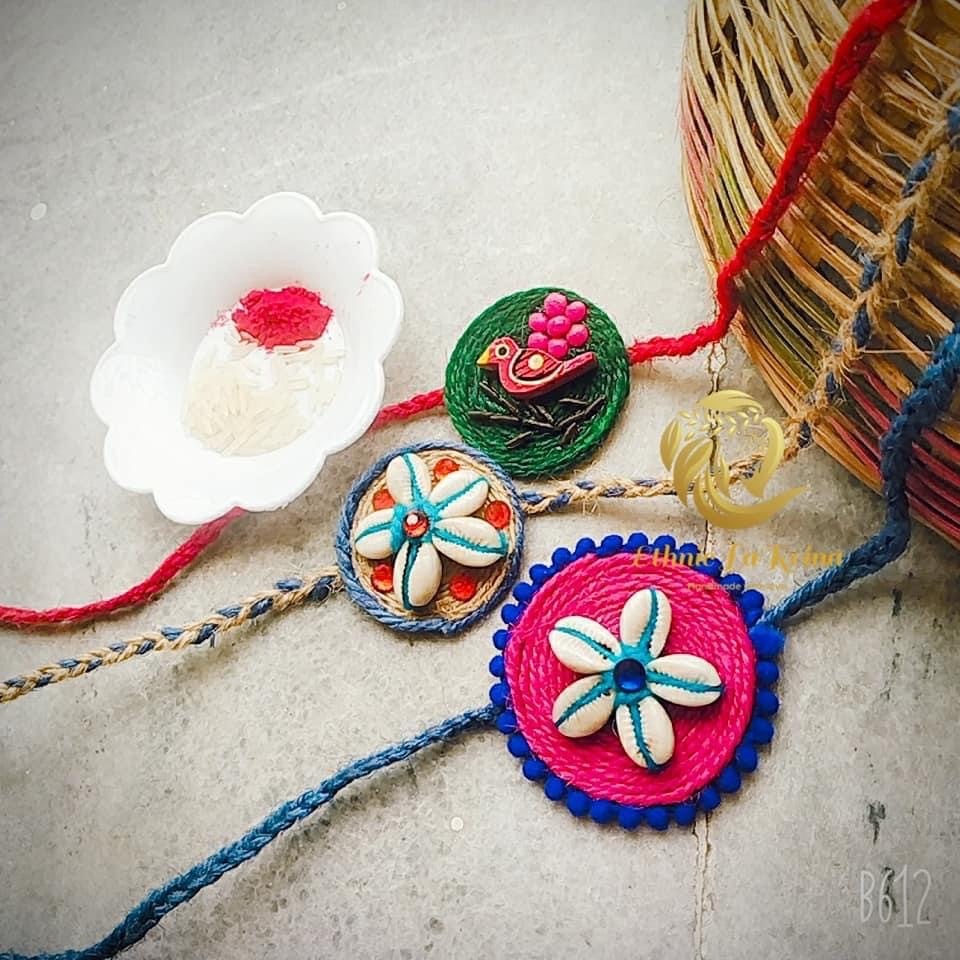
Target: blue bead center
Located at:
point(630, 676)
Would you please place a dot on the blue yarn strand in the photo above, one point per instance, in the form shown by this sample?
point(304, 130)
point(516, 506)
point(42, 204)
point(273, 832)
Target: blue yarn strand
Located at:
point(929, 398)
point(156, 905)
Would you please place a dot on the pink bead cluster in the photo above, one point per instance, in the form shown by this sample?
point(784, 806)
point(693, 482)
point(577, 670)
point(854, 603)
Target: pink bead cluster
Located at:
point(558, 326)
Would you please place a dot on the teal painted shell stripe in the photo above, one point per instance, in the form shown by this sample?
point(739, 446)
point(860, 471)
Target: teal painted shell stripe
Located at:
point(621, 698)
point(438, 533)
point(639, 738)
point(413, 548)
point(396, 533)
point(594, 693)
point(418, 494)
point(376, 528)
point(589, 641)
point(454, 497)
point(647, 635)
point(692, 686)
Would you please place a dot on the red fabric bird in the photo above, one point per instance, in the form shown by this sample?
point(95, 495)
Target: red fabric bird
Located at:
point(528, 373)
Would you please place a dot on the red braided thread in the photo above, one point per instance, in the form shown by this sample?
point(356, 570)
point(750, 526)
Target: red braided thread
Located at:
point(854, 50)
point(705, 622)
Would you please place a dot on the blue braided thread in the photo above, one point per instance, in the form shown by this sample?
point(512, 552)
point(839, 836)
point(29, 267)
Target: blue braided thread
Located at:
point(903, 234)
point(156, 905)
point(562, 499)
point(368, 602)
point(319, 592)
point(929, 397)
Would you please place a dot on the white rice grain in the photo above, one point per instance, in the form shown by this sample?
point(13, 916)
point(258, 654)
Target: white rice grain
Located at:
point(242, 399)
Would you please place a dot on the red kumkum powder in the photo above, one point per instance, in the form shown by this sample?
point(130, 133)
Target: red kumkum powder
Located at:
point(279, 318)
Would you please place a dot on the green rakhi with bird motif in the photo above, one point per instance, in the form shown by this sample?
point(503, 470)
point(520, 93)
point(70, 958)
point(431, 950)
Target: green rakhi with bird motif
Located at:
point(538, 380)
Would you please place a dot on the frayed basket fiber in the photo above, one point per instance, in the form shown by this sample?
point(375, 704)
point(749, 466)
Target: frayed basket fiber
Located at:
point(862, 280)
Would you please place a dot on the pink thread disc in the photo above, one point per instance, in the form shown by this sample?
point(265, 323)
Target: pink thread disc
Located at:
point(706, 622)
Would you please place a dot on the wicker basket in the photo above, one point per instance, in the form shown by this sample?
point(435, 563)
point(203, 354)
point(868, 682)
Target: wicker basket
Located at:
point(749, 69)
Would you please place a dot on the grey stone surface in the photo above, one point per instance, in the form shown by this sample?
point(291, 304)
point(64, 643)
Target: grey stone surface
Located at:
point(493, 147)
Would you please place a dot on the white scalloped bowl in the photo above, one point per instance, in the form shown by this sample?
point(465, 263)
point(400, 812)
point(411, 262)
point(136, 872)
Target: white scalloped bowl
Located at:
point(138, 385)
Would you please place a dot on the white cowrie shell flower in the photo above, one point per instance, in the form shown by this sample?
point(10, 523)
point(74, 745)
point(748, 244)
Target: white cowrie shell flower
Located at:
point(425, 522)
point(628, 677)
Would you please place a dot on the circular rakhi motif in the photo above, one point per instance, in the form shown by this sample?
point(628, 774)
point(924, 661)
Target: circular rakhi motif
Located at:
point(537, 381)
point(430, 538)
point(635, 680)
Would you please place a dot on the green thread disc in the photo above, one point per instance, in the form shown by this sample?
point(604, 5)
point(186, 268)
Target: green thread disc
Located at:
point(543, 435)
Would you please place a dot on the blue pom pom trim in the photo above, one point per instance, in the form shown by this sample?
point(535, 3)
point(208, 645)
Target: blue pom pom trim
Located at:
point(767, 643)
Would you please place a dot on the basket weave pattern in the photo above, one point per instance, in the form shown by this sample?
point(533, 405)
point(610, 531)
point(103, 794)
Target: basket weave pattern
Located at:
point(749, 68)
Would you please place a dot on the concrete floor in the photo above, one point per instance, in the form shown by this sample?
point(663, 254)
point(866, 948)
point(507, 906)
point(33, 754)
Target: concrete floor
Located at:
point(493, 147)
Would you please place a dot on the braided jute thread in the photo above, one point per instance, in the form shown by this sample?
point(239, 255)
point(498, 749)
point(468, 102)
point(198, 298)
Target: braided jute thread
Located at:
point(705, 622)
point(291, 592)
point(185, 886)
point(883, 265)
point(929, 398)
point(287, 593)
point(571, 493)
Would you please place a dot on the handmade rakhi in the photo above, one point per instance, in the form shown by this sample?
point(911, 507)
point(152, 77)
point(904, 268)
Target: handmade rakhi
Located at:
point(676, 654)
point(430, 540)
point(537, 381)
point(633, 679)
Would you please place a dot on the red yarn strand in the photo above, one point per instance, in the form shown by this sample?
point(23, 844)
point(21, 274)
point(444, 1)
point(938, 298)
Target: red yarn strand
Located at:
point(853, 52)
point(140, 593)
point(851, 56)
point(409, 408)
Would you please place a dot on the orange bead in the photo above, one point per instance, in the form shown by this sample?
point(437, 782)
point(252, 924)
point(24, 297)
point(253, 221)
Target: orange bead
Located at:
point(415, 524)
point(382, 577)
point(463, 587)
point(382, 500)
point(443, 467)
point(497, 514)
